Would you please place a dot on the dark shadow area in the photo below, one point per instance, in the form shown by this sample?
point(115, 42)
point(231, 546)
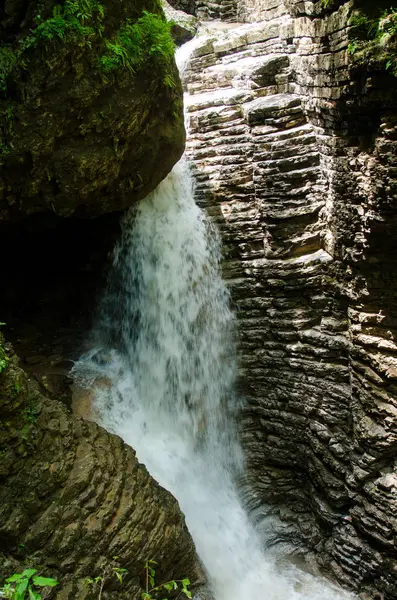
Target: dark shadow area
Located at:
point(53, 271)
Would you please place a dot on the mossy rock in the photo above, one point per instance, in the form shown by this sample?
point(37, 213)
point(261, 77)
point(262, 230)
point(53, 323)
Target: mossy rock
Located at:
point(76, 139)
point(73, 496)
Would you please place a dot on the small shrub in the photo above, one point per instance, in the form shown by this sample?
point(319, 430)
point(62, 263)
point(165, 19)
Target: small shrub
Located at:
point(152, 591)
point(110, 570)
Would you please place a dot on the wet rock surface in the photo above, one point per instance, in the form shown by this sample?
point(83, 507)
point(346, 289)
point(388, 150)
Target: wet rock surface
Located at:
point(184, 26)
point(294, 156)
point(73, 496)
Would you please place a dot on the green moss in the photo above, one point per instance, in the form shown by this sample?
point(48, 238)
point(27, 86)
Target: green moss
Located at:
point(138, 44)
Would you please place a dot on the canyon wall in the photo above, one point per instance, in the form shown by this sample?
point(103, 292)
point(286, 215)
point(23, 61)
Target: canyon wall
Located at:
point(293, 147)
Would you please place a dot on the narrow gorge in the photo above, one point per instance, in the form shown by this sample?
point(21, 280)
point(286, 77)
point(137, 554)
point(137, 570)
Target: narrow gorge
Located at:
point(235, 326)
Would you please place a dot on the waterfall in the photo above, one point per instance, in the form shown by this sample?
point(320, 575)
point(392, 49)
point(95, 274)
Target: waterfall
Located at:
point(163, 370)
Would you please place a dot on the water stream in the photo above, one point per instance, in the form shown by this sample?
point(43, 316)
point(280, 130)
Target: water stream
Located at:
point(163, 364)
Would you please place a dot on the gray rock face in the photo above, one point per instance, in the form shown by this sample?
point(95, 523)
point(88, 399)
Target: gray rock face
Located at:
point(294, 156)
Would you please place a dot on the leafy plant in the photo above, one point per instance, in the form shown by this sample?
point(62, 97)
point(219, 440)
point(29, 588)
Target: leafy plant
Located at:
point(31, 411)
point(27, 582)
point(147, 40)
point(71, 17)
point(152, 590)
point(110, 570)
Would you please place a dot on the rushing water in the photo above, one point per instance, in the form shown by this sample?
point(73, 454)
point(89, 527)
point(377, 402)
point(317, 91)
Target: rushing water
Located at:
point(163, 370)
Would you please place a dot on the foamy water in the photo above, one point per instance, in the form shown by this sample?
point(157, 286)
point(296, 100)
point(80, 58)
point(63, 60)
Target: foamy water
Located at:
point(165, 347)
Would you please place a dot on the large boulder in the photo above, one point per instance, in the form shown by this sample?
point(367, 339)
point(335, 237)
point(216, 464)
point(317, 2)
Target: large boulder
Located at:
point(73, 496)
point(91, 113)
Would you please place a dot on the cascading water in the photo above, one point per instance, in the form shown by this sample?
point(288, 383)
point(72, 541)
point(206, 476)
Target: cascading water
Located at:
point(163, 373)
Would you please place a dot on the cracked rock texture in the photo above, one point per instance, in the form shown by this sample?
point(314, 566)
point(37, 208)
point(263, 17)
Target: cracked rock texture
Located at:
point(294, 155)
point(72, 496)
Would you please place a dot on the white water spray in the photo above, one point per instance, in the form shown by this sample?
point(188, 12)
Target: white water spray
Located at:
point(164, 370)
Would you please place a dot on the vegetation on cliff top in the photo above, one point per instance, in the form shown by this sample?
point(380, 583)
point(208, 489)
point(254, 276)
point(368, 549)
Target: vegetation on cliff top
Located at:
point(373, 35)
point(373, 32)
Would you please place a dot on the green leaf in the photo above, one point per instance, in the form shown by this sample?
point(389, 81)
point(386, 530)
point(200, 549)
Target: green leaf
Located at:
point(44, 581)
point(15, 577)
point(34, 595)
point(185, 582)
point(29, 572)
point(21, 589)
point(151, 581)
point(187, 592)
point(168, 586)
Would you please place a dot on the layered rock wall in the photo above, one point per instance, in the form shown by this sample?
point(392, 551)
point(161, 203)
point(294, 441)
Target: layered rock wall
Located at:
point(294, 153)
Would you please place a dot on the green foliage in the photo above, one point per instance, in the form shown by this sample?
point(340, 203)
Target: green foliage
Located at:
point(26, 585)
point(152, 591)
point(31, 411)
point(8, 58)
point(108, 572)
point(3, 359)
point(3, 356)
point(145, 41)
point(374, 35)
point(81, 20)
point(70, 18)
point(6, 126)
point(4, 149)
